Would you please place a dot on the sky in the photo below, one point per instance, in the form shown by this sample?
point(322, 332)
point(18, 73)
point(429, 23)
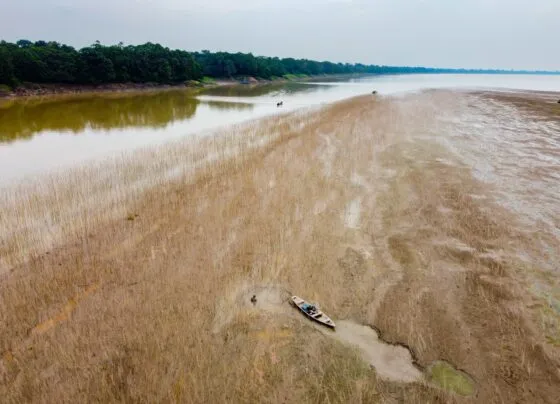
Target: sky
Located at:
point(507, 34)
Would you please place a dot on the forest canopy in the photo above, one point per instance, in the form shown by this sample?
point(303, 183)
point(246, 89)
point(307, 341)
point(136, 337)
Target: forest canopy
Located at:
point(52, 62)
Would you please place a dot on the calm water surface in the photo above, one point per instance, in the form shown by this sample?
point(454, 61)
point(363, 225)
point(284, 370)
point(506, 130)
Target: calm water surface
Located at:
point(41, 135)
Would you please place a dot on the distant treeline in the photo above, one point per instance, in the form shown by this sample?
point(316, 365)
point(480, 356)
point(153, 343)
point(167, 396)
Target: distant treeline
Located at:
point(51, 62)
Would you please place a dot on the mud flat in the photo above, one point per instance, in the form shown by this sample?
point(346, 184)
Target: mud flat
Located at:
point(132, 281)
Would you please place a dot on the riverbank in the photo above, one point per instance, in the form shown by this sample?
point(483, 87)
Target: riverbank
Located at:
point(39, 90)
point(131, 280)
point(34, 89)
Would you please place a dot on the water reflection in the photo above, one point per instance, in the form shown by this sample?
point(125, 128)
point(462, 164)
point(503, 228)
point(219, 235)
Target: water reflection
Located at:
point(272, 89)
point(225, 105)
point(25, 118)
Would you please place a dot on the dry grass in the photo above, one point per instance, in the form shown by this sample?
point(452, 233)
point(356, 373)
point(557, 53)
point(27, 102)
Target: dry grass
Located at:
point(131, 281)
point(40, 213)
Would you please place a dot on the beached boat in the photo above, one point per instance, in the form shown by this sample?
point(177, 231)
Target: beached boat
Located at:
point(312, 312)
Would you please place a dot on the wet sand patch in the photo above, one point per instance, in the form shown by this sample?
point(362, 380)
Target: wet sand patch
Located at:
point(391, 362)
point(260, 299)
point(352, 214)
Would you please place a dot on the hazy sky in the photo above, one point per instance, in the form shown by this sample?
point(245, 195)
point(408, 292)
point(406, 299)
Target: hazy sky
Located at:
point(520, 34)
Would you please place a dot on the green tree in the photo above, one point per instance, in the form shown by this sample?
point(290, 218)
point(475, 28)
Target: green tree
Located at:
point(97, 68)
point(229, 68)
point(24, 43)
point(7, 76)
point(60, 62)
point(51, 62)
point(29, 66)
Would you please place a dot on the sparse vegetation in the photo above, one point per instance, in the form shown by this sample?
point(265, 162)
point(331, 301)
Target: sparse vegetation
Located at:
point(295, 76)
point(208, 80)
point(4, 89)
point(351, 206)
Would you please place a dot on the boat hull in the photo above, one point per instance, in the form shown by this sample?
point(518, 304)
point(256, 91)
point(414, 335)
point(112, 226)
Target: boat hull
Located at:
point(312, 312)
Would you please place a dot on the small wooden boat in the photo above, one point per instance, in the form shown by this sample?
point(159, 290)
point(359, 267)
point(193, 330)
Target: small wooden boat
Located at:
point(312, 312)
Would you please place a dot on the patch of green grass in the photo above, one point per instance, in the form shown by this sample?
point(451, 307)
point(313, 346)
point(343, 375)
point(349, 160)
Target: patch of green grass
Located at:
point(450, 379)
point(5, 89)
point(207, 80)
point(295, 76)
point(555, 341)
point(193, 83)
